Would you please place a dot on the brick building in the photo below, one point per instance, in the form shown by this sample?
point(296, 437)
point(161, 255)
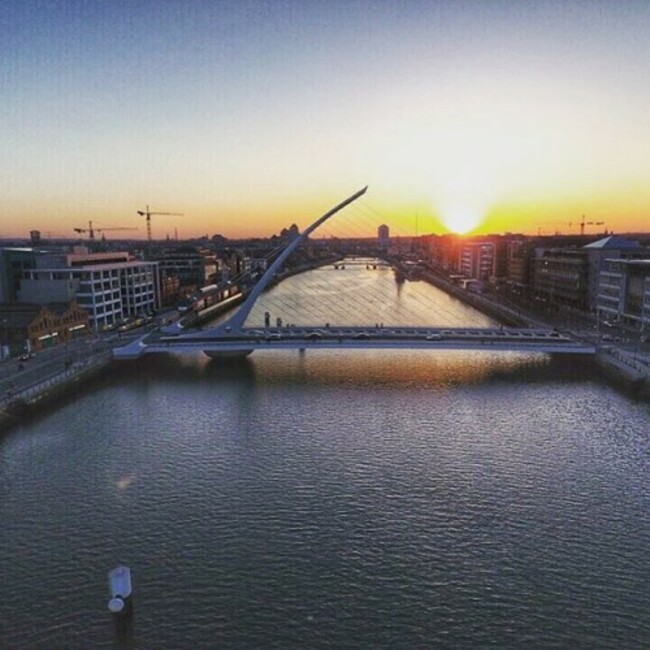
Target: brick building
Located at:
point(30, 327)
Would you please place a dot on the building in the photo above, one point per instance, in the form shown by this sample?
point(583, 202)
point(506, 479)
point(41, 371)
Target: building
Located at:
point(443, 251)
point(13, 264)
point(560, 275)
point(383, 237)
point(237, 265)
point(478, 260)
point(608, 248)
point(109, 286)
point(518, 267)
point(27, 328)
point(569, 272)
point(624, 291)
point(193, 266)
point(287, 235)
point(170, 290)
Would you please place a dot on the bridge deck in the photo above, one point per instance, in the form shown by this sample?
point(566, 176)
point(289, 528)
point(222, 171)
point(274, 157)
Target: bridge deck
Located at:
point(423, 338)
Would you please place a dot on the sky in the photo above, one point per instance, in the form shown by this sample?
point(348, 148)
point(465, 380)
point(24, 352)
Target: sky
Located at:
point(247, 116)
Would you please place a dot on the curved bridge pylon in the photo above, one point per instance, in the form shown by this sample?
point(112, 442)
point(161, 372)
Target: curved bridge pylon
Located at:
point(236, 322)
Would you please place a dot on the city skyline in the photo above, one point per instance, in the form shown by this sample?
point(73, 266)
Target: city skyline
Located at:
point(247, 117)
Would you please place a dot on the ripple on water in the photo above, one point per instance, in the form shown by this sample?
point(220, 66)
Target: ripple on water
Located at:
point(384, 501)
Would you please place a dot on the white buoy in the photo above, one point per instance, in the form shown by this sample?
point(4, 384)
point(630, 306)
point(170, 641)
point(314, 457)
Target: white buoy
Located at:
point(119, 586)
point(115, 605)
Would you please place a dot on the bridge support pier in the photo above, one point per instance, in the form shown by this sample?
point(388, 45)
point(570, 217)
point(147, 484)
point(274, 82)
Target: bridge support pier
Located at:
point(227, 354)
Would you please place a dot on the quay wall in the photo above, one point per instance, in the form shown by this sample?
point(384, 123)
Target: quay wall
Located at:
point(31, 400)
point(626, 369)
point(503, 313)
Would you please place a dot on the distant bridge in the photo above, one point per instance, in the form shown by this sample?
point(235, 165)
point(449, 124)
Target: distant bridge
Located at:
point(368, 263)
point(232, 338)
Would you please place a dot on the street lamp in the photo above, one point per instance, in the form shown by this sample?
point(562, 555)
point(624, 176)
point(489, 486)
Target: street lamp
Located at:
point(641, 339)
point(66, 356)
point(4, 341)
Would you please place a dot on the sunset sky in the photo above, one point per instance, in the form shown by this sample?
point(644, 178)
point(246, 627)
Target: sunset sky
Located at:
point(248, 116)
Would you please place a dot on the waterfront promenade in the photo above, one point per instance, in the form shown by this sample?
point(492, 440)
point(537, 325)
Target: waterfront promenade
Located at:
point(25, 385)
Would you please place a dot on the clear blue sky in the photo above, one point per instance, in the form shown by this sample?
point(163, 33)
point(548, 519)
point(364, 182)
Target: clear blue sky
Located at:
point(248, 116)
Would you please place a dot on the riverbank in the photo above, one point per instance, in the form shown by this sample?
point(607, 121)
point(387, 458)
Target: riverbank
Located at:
point(627, 368)
point(507, 315)
point(623, 367)
point(33, 399)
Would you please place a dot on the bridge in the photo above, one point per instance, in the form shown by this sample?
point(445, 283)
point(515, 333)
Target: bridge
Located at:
point(233, 339)
point(353, 261)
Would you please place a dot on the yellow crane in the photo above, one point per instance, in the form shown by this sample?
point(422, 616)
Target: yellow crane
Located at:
point(148, 214)
point(91, 230)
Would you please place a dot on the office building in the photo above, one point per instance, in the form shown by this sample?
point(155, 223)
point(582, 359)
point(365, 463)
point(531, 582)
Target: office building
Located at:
point(109, 286)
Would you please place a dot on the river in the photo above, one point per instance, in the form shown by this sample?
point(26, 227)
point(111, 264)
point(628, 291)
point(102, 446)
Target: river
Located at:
point(330, 499)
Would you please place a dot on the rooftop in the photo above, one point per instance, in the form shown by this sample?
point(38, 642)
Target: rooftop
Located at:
point(613, 242)
point(21, 314)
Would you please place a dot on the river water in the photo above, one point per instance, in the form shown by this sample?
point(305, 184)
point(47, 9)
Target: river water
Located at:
point(359, 499)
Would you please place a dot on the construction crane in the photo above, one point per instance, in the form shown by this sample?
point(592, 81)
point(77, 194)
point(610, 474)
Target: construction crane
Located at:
point(148, 213)
point(584, 223)
point(91, 231)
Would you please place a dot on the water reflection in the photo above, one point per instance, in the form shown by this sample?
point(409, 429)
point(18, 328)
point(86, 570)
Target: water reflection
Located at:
point(182, 368)
point(361, 368)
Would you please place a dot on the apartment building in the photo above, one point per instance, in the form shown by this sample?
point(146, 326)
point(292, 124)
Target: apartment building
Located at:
point(560, 275)
point(109, 286)
point(478, 260)
point(624, 291)
point(599, 252)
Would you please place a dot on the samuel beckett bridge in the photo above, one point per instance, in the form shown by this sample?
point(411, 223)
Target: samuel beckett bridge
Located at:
point(233, 338)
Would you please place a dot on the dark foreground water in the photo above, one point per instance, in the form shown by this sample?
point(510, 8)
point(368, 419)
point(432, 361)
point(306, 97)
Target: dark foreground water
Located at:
point(332, 500)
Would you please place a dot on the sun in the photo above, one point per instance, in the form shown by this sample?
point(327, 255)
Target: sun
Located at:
point(461, 218)
point(464, 199)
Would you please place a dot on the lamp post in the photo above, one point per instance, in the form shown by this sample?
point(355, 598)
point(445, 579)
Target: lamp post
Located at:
point(4, 338)
point(66, 356)
point(641, 339)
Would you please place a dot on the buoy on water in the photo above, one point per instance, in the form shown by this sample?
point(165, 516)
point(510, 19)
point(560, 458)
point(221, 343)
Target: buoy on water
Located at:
point(119, 586)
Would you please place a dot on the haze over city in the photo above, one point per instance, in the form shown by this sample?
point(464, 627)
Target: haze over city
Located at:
point(248, 116)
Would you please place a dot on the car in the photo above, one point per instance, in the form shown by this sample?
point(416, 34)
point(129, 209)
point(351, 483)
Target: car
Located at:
point(26, 357)
point(434, 337)
point(361, 335)
point(314, 336)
